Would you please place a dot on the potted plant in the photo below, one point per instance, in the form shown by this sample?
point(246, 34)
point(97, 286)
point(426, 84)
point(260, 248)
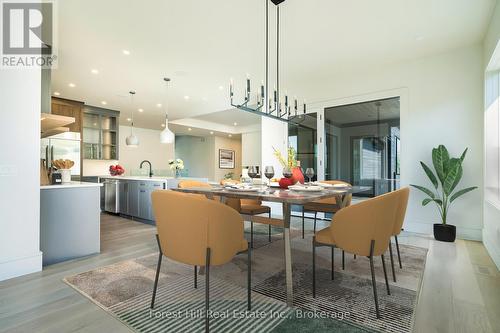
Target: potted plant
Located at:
point(445, 180)
point(176, 166)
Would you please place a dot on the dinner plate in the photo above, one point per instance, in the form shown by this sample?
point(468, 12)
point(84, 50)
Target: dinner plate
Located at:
point(340, 185)
point(325, 185)
point(243, 189)
point(306, 188)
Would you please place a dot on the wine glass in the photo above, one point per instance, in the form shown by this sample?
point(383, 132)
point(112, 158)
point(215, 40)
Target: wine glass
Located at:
point(287, 172)
point(310, 173)
point(269, 173)
point(252, 172)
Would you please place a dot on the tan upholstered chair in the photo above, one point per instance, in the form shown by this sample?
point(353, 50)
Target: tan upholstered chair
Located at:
point(363, 229)
point(398, 226)
point(192, 183)
point(198, 232)
point(249, 207)
point(328, 205)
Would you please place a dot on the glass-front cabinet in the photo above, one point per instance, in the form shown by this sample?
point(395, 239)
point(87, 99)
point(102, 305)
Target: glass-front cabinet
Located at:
point(100, 134)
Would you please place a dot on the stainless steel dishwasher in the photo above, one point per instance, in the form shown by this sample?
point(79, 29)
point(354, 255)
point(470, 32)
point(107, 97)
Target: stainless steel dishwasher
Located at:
point(112, 196)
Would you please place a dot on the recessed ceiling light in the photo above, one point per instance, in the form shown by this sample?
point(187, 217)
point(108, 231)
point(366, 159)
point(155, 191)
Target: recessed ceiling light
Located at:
point(162, 125)
point(94, 71)
point(211, 132)
point(128, 119)
point(158, 105)
point(140, 110)
point(186, 97)
point(235, 124)
point(95, 124)
point(72, 85)
point(57, 93)
point(221, 87)
point(230, 135)
point(104, 102)
point(126, 52)
point(190, 129)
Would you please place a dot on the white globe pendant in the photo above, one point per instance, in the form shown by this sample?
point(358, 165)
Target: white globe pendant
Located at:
point(167, 136)
point(132, 141)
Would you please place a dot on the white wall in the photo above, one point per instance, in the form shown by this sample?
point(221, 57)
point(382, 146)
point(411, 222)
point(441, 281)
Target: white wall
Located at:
point(251, 148)
point(491, 47)
point(274, 133)
point(149, 148)
point(441, 103)
point(19, 173)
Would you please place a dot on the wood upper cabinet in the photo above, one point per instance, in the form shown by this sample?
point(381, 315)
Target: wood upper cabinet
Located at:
point(64, 107)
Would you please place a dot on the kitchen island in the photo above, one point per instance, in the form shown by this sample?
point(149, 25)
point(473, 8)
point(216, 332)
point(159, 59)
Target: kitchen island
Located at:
point(130, 196)
point(70, 221)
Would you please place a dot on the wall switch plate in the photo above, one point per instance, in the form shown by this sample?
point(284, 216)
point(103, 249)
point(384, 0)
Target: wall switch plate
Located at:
point(7, 170)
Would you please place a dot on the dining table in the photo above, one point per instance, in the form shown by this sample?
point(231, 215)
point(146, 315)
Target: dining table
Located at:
point(287, 198)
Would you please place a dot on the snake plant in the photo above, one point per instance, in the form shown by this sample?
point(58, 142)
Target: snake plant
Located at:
point(448, 174)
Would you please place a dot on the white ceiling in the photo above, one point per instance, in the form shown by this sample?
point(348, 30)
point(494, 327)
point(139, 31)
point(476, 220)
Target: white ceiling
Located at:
point(202, 44)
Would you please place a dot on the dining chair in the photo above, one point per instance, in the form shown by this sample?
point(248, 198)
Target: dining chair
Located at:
point(199, 232)
point(328, 205)
point(398, 227)
point(251, 208)
point(363, 229)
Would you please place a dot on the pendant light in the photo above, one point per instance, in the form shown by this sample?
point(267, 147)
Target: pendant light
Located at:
point(132, 140)
point(166, 136)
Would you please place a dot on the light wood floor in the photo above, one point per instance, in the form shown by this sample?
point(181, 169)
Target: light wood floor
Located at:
point(460, 290)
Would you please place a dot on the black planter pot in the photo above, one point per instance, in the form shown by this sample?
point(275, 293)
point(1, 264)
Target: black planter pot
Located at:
point(445, 232)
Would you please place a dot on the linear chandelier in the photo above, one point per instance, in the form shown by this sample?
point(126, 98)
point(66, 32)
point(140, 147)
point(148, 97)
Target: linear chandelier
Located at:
point(284, 112)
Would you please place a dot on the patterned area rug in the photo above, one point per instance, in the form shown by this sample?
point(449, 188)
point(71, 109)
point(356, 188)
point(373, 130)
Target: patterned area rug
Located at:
point(124, 290)
point(351, 295)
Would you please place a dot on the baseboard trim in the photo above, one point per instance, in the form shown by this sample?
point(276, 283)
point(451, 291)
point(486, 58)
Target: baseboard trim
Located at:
point(20, 266)
point(426, 228)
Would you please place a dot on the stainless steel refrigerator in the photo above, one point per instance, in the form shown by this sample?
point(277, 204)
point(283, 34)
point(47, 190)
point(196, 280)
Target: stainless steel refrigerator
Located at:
point(62, 146)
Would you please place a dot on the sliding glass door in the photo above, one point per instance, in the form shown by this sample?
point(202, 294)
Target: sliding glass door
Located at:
point(362, 145)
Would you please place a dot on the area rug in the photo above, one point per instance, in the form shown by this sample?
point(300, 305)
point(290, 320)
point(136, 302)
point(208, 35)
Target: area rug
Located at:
point(344, 305)
point(351, 293)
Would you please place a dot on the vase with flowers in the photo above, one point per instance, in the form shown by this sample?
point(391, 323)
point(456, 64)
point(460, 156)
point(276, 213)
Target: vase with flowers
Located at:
point(290, 163)
point(176, 166)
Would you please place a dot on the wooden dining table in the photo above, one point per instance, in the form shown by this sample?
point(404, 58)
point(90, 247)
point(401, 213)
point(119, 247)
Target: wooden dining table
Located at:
point(287, 198)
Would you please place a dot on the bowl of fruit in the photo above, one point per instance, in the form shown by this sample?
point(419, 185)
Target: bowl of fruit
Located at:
point(116, 170)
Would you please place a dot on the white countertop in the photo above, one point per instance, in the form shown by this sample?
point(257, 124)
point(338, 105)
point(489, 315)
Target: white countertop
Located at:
point(140, 178)
point(70, 185)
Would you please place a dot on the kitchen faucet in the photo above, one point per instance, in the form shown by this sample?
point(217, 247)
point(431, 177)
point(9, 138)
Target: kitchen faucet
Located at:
point(150, 167)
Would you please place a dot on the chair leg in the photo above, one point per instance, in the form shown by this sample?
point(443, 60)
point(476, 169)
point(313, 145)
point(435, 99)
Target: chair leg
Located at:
point(207, 289)
point(157, 273)
point(397, 249)
point(385, 275)
point(374, 283)
point(270, 228)
point(251, 234)
point(354, 256)
point(315, 213)
point(302, 222)
point(333, 260)
point(392, 261)
point(249, 278)
point(195, 277)
point(343, 260)
point(314, 267)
